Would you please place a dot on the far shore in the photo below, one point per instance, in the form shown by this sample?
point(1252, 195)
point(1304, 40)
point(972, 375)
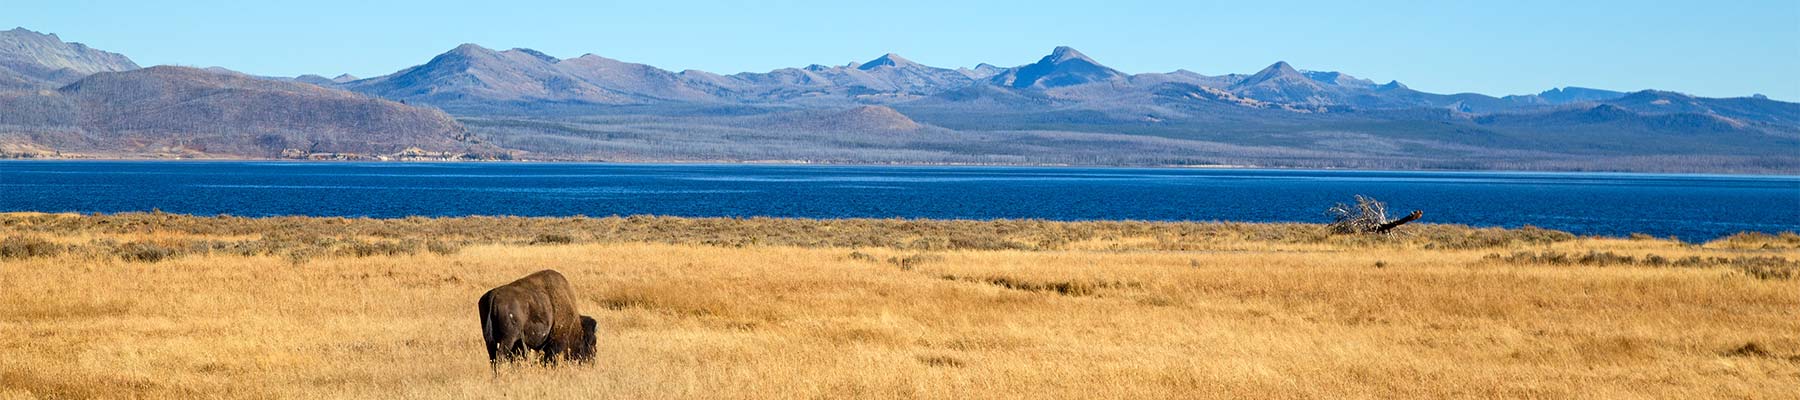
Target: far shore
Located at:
point(906, 164)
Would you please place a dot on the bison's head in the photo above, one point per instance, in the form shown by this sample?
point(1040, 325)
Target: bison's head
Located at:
point(584, 351)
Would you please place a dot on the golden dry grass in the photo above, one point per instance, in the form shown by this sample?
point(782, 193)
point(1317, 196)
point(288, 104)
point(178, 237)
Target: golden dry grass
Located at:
point(709, 309)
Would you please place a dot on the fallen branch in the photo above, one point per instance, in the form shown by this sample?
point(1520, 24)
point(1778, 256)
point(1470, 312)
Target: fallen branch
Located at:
point(1367, 216)
point(1402, 221)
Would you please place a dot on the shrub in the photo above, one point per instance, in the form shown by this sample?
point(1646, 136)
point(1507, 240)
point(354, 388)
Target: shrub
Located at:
point(442, 248)
point(298, 257)
point(941, 361)
point(1481, 238)
point(145, 252)
point(553, 238)
point(359, 248)
point(21, 247)
point(1606, 258)
point(1759, 267)
point(1750, 349)
point(1758, 240)
point(1060, 287)
point(908, 262)
point(983, 242)
point(1766, 267)
point(861, 256)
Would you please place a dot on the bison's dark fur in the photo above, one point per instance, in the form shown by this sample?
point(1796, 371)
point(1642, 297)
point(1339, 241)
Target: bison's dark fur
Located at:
point(538, 313)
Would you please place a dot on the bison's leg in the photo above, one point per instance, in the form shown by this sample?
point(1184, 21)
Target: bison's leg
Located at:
point(552, 350)
point(505, 349)
point(493, 349)
point(515, 348)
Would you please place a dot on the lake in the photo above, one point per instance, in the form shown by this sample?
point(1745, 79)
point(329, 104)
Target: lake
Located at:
point(1693, 207)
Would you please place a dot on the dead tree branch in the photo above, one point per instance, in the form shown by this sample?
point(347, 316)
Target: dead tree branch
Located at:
point(1384, 228)
point(1367, 216)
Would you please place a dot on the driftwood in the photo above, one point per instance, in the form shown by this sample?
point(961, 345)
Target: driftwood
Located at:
point(1402, 221)
point(1367, 216)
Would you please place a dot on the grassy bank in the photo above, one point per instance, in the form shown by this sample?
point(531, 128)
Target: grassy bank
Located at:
point(160, 305)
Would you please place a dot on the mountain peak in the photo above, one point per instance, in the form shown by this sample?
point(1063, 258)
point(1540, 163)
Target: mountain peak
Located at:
point(29, 58)
point(1066, 53)
point(21, 31)
point(468, 51)
point(1063, 67)
point(889, 60)
point(981, 71)
point(1282, 67)
point(1279, 71)
point(314, 79)
point(470, 48)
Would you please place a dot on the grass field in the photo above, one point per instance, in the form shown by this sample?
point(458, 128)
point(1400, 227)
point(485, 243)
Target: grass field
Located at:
point(171, 306)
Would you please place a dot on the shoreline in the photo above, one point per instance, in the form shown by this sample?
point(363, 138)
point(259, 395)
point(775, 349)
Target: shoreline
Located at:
point(1784, 174)
point(1283, 230)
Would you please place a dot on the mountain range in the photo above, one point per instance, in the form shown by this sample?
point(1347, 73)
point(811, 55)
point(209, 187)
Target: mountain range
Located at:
point(30, 60)
point(1065, 108)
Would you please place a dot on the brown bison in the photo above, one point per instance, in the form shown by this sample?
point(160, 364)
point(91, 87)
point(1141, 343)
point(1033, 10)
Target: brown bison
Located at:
point(536, 312)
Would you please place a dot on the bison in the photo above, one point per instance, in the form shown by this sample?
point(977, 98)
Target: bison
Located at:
point(538, 313)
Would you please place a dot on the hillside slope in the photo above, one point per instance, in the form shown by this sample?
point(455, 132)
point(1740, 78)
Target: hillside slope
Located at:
point(192, 112)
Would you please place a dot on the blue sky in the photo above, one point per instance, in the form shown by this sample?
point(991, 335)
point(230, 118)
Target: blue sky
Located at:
point(1716, 48)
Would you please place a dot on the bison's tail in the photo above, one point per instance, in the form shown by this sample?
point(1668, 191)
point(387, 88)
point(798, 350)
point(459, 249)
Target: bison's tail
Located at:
point(487, 327)
point(486, 305)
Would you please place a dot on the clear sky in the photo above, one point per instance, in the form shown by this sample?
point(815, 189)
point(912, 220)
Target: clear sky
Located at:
point(1710, 48)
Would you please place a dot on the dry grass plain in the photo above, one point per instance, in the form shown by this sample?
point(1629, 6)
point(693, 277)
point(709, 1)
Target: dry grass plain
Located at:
point(170, 306)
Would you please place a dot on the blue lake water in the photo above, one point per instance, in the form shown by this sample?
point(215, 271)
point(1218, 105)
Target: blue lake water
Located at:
point(1693, 207)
